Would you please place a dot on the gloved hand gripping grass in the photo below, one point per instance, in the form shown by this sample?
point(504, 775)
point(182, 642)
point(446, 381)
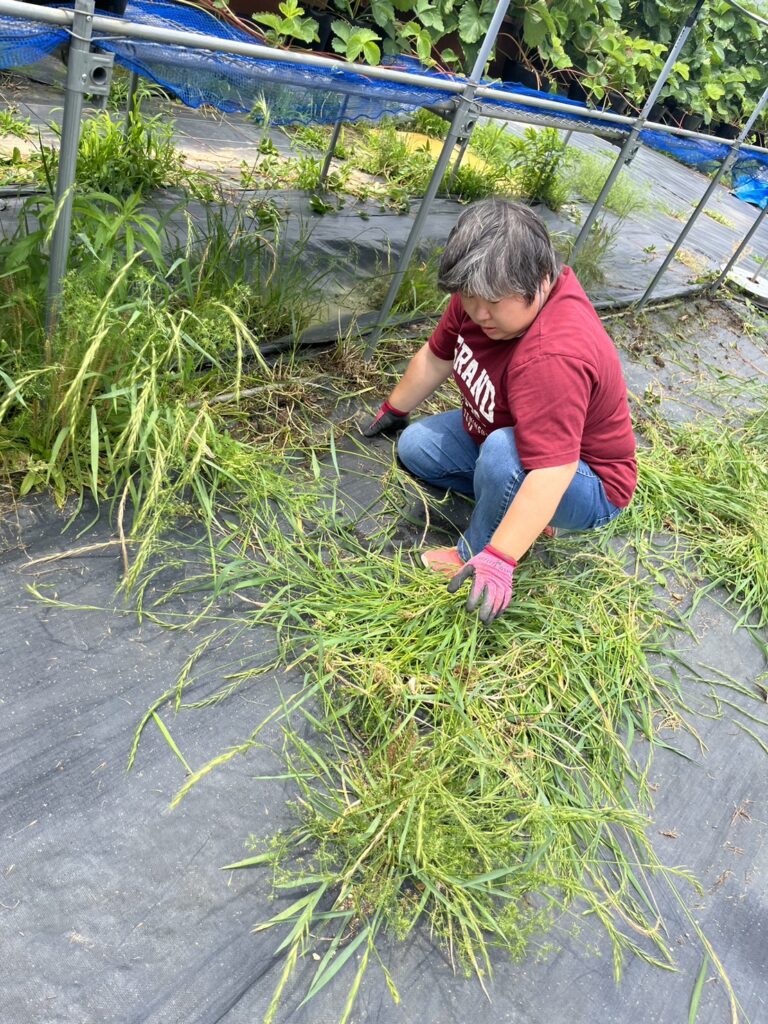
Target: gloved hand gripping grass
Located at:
point(387, 420)
point(491, 573)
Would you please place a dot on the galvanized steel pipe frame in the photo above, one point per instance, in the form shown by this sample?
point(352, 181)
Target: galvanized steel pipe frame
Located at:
point(80, 43)
point(117, 27)
point(332, 144)
point(120, 28)
point(125, 29)
point(738, 251)
point(726, 165)
point(465, 111)
point(628, 149)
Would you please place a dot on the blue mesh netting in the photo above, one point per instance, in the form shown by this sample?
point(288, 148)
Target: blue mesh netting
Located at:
point(749, 174)
point(24, 42)
point(314, 95)
point(233, 83)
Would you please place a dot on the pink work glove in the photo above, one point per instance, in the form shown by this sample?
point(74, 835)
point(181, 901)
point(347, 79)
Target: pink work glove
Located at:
point(387, 420)
point(493, 574)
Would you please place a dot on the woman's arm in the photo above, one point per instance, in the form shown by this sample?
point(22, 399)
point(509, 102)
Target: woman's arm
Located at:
point(532, 509)
point(423, 375)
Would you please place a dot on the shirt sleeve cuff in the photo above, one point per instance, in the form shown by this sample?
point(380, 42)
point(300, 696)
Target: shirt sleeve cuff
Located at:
point(549, 461)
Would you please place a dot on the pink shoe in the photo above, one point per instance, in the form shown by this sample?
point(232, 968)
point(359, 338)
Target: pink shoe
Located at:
point(446, 561)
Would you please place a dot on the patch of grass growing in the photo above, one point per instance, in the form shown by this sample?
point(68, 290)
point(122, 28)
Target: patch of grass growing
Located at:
point(310, 136)
point(12, 124)
point(120, 163)
point(538, 169)
point(120, 86)
point(385, 152)
point(709, 487)
point(113, 402)
point(589, 263)
point(473, 183)
point(418, 293)
point(587, 173)
point(271, 171)
point(427, 123)
point(720, 218)
point(493, 142)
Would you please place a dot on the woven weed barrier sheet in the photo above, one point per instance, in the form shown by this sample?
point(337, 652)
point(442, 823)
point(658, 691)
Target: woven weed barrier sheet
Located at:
point(115, 908)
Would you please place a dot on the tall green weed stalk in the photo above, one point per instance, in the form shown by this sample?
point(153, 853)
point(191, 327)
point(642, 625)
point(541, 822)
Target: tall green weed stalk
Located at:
point(123, 159)
point(113, 400)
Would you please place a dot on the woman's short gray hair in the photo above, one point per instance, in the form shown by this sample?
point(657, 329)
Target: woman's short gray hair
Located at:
point(498, 248)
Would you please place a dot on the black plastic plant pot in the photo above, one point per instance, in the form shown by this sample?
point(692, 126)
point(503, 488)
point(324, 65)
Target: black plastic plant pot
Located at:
point(616, 102)
point(514, 71)
point(726, 131)
point(657, 111)
point(324, 31)
point(693, 122)
point(576, 91)
point(675, 112)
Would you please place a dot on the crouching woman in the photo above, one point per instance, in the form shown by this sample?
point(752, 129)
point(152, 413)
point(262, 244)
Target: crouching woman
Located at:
point(543, 437)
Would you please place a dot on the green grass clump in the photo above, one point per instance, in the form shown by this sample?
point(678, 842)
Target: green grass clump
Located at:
point(589, 262)
point(418, 292)
point(720, 218)
point(271, 171)
point(12, 124)
point(119, 89)
point(427, 123)
point(310, 136)
point(113, 401)
point(385, 152)
point(494, 142)
point(122, 162)
point(17, 168)
point(478, 782)
point(709, 487)
point(586, 175)
point(538, 161)
point(532, 166)
point(472, 183)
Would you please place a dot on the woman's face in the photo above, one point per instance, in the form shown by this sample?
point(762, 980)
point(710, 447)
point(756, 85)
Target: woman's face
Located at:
point(508, 317)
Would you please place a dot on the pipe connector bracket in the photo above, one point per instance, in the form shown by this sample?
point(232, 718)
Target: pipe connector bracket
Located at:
point(89, 73)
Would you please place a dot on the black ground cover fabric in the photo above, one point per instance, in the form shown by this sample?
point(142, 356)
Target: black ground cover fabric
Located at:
point(114, 909)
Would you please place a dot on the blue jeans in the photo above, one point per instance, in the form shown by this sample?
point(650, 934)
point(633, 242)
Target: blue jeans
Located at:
point(439, 451)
